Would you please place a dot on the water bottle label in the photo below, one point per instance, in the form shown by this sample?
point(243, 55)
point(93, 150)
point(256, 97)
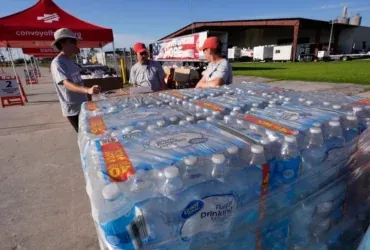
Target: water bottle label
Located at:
point(97, 125)
point(209, 105)
point(268, 124)
point(136, 115)
point(177, 94)
point(286, 171)
point(178, 140)
point(212, 214)
point(91, 106)
point(362, 102)
point(117, 163)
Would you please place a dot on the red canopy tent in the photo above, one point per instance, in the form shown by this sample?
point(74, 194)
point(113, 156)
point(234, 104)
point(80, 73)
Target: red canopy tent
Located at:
point(35, 27)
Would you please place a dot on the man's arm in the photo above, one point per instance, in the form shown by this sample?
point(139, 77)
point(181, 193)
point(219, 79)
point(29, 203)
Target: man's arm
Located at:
point(211, 84)
point(81, 89)
point(132, 79)
point(61, 78)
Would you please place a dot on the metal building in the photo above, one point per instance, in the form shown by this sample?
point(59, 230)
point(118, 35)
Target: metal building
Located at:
point(280, 31)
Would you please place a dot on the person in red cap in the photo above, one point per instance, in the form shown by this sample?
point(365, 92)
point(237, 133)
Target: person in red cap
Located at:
point(146, 73)
point(219, 70)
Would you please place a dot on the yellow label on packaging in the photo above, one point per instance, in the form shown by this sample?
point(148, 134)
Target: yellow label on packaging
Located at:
point(268, 124)
point(91, 106)
point(209, 105)
point(97, 125)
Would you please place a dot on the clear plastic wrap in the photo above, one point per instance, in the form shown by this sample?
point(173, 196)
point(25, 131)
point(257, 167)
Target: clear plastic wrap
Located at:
point(215, 186)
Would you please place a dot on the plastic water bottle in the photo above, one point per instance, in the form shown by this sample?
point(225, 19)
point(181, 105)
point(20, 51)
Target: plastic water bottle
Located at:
point(220, 168)
point(351, 130)
point(210, 119)
point(233, 157)
point(200, 116)
point(334, 136)
point(237, 109)
point(141, 187)
point(185, 104)
point(161, 123)
point(288, 163)
point(326, 104)
point(217, 115)
point(190, 119)
point(173, 184)
point(183, 122)
point(174, 120)
point(193, 171)
point(314, 152)
point(229, 120)
point(361, 117)
point(152, 127)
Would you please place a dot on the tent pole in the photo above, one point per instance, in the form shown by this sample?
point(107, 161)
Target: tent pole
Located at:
point(103, 56)
point(115, 58)
point(33, 69)
point(37, 65)
point(28, 72)
point(11, 59)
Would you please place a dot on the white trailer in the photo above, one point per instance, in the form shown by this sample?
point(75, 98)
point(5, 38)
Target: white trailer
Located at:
point(234, 53)
point(282, 53)
point(263, 53)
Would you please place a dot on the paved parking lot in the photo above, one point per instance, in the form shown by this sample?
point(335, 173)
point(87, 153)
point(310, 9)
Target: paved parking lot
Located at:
point(43, 203)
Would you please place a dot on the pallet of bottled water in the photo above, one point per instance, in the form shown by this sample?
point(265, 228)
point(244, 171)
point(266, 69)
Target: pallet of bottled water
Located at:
point(247, 166)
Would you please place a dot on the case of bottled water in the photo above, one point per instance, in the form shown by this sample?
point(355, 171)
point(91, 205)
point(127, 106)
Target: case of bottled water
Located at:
point(217, 169)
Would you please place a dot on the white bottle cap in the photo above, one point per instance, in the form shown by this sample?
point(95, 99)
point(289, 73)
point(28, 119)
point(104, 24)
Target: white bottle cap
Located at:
point(290, 138)
point(232, 150)
point(264, 94)
point(309, 102)
point(173, 118)
point(255, 105)
point(218, 158)
point(271, 105)
point(317, 124)
point(326, 103)
point(253, 109)
point(233, 113)
point(227, 118)
point(334, 123)
point(367, 107)
point(239, 122)
point(265, 141)
point(190, 118)
point(337, 107)
point(137, 105)
point(357, 109)
point(198, 108)
point(152, 127)
point(287, 99)
point(183, 122)
point(112, 109)
point(253, 126)
point(281, 97)
point(210, 119)
point(315, 130)
point(215, 112)
point(171, 172)
point(185, 103)
point(257, 149)
point(236, 109)
point(128, 129)
point(161, 123)
point(351, 118)
point(301, 99)
point(335, 118)
point(199, 115)
point(190, 160)
point(205, 110)
point(111, 191)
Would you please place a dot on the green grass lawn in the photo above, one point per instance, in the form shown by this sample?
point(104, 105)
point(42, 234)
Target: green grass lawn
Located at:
point(342, 72)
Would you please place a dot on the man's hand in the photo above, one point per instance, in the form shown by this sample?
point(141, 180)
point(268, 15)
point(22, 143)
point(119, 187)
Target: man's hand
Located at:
point(94, 90)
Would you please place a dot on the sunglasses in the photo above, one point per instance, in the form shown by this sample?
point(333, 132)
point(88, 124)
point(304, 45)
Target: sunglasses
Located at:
point(143, 53)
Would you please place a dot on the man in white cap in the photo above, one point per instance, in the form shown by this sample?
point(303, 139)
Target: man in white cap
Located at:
point(66, 75)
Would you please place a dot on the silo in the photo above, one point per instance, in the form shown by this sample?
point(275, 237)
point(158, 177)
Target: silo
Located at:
point(356, 20)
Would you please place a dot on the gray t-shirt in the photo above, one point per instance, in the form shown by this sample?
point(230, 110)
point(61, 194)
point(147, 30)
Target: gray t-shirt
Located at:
point(222, 69)
point(149, 75)
point(63, 68)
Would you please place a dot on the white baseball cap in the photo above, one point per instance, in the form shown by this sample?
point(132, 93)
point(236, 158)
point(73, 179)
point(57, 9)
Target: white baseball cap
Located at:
point(63, 33)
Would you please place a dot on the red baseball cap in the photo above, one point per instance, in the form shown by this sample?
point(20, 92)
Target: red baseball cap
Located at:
point(139, 47)
point(210, 43)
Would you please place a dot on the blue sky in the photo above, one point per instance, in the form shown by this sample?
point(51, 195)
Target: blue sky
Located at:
point(148, 20)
